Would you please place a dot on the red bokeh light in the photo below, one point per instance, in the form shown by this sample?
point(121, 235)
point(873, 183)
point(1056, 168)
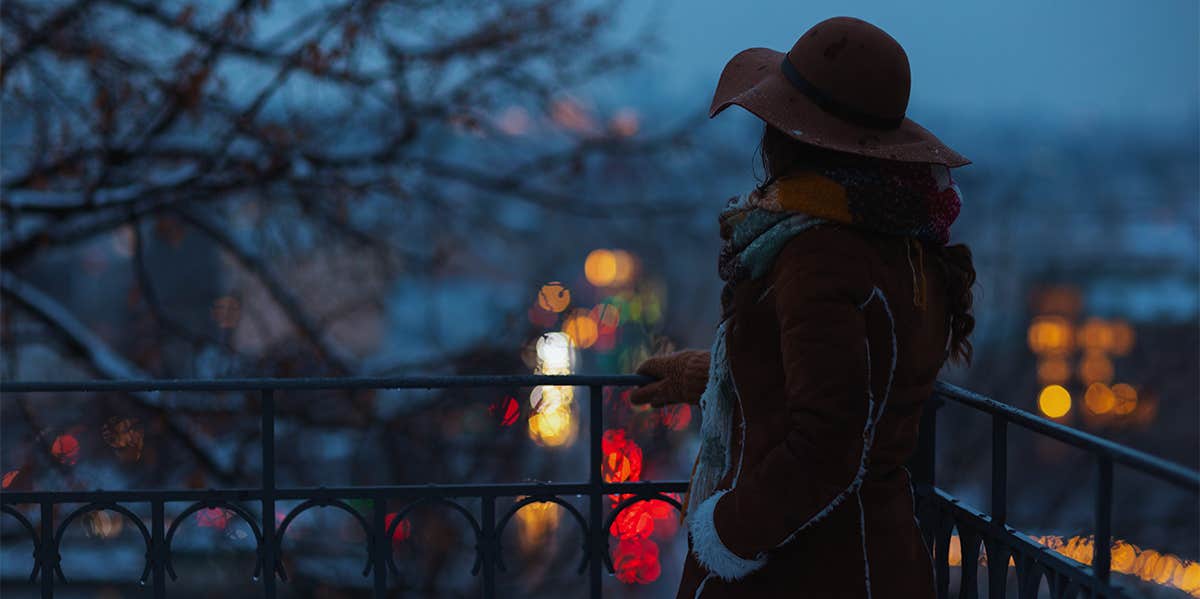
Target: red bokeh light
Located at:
point(214, 517)
point(636, 561)
point(622, 457)
point(507, 411)
point(65, 449)
point(9, 477)
point(676, 416)
point(636, 556)
point(403, 529)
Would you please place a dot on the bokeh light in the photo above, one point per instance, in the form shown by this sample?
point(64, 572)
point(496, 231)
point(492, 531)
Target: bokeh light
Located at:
point(1126, 399)
point(553, 427)
point(536, 522)
point(1054, 371)
point(1050, 335)
point(1099, 399)
point(581, 329)
point(554, 353)
point(554, 297)
point(1095, 367)
point(600, 268)
point(1055, 401)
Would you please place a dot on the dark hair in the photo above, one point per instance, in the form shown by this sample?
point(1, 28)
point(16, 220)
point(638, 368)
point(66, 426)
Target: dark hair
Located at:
point(782, 155)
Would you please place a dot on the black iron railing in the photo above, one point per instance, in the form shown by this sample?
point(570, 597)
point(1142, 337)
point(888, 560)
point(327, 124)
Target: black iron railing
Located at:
point(939, 512)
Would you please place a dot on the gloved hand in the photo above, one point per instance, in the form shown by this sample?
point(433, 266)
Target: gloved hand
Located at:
point(681, 376)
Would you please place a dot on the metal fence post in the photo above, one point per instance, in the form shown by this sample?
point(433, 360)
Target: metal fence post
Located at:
point(158, 548)
point(381, 545)
point(997, 558)
point(49, 553)
point(999, 470)
point(269, 548)
point(1102, 545)
point(488, 540)
point(596, 494)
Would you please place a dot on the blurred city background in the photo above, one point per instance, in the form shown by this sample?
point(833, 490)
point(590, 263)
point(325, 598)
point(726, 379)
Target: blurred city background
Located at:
point(237, 188)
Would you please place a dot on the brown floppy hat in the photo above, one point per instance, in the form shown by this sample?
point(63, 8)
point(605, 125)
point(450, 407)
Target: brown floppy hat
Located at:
point(843, 86)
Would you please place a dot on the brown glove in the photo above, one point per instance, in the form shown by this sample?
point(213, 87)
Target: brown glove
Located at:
point(681, 379)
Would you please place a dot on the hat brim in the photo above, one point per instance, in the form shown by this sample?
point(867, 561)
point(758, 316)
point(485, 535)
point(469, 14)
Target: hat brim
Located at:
point(753, 80)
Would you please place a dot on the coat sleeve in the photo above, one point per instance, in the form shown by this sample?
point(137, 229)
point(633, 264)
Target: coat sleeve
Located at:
point(822, 298)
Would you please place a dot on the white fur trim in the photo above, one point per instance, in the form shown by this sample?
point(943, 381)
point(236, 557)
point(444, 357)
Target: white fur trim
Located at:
point(708, 548)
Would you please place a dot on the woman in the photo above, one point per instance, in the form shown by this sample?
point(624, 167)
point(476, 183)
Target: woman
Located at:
point(841, 304)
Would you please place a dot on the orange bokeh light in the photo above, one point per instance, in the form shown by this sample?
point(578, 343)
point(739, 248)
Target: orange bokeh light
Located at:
point(582, 329)
point(554, 297)
point(1126, 399)
point(1050, 335)
point(1054, 401)
point(600, 268)
point(1099, 398)
point(1054, 370)
point(1095, 367)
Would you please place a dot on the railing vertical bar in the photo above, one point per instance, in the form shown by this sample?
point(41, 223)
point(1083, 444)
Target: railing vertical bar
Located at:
point(488, 516)
point(49, 549)
point(596, 493)
point(924, 459)
point(158, 548)
point(999, 470)
point(268, 492)
point(382, 546)
point(1102, 547)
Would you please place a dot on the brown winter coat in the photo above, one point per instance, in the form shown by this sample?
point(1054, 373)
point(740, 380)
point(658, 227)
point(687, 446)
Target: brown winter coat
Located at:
point(837, 309)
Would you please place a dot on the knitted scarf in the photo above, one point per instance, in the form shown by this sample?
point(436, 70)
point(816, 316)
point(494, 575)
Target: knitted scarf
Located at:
point(912, 200)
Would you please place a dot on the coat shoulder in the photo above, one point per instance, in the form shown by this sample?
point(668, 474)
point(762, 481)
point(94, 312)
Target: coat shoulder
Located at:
point(828, 255)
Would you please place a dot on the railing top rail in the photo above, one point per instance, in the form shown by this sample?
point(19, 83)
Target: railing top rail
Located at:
point(1163, 469)
point(1138, 460)
point(330, 383)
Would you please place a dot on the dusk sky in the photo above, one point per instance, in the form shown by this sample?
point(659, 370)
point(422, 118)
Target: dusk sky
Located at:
point(1072, 60)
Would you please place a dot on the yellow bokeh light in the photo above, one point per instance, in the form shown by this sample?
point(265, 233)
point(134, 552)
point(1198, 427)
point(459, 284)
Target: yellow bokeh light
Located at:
point(581, 329)
point(1095, 367)
point(553, 428)
point(1050, 335)
point(600, 268)
point(1099, 398)
point(1126, 399)
point(536, 522)
point(1055, 401)
point(554, 297)
point(1054, 371)
point(550, 397)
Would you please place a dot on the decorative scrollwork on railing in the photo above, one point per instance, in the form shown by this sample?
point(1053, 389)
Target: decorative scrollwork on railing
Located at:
point(399, 517)
point(542, 499)
point(311, 503)
point(53, 556)
point(620, 507)
point(33, 536)
point(213, 504)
